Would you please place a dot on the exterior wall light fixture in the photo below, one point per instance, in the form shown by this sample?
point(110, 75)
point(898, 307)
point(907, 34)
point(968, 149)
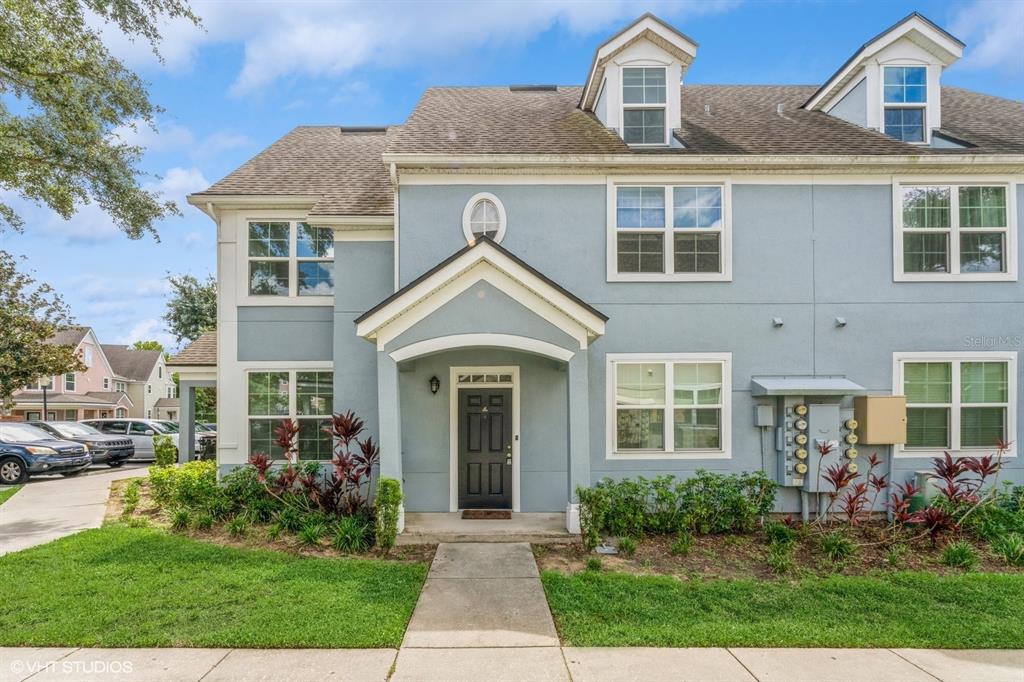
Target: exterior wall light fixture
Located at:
point(435, 384)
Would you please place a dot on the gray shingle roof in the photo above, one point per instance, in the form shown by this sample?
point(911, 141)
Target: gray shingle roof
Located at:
point(91, 398)
point(344, 168)
point(341, 166)
point(201, 352)
point(167, 402)
point(741, 119)
point(132, 364)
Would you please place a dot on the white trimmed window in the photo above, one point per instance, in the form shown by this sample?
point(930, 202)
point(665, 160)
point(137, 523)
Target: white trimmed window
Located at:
point(484, 216)
point(670, 232)
point(69, 381)
point(955, 231)
point(306, 396)
point(644, 105)
point(669, 406)
point(963, 403)
point(289, 259)
point(905, 102)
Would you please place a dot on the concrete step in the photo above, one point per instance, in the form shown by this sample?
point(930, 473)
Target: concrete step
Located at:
point(430, 528)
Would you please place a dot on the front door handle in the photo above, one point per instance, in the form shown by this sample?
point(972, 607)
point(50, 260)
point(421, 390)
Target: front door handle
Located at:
point(508, 459)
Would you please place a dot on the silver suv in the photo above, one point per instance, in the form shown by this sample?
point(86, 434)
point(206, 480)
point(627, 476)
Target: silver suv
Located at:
point(140, 431)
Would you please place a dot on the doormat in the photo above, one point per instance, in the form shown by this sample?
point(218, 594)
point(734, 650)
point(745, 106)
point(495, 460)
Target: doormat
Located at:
point(478, 514)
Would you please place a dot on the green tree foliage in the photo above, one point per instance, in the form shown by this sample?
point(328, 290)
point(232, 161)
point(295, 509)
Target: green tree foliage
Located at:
point(192, 308)
point(30, 314)
point(62, 95)
point(148, 345)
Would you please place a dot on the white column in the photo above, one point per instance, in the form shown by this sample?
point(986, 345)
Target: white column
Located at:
point(579, 435)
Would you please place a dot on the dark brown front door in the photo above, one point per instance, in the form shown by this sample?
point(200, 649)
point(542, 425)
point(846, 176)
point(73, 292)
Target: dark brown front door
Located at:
point(485, 448)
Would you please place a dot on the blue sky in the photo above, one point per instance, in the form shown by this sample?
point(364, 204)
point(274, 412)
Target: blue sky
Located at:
point(261, 68)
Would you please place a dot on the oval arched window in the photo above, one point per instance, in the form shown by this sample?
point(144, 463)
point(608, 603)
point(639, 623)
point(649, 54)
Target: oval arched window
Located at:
point(484, 216)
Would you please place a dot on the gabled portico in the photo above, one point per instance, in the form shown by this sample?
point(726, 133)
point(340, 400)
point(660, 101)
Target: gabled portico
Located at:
point(491, 330)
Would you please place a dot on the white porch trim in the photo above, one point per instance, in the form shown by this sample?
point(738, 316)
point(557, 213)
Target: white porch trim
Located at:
point(488, 262)
point(454, 341)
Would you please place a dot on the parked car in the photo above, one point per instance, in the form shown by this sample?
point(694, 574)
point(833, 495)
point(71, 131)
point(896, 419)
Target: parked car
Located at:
point(139, 431)
point(26, 450)
point(109, 450)
point(206, 438)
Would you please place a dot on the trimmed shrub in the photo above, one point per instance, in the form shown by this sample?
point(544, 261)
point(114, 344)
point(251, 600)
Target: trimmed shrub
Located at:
point(704, 503)
point(166, 451)
point(193, 485)
point(388, 505)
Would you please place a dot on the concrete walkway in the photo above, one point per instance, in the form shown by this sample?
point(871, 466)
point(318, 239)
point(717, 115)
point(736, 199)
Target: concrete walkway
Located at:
point(511, 664)
point(49, 508)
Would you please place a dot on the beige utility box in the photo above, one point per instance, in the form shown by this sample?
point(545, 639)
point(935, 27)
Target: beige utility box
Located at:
point(881, 419)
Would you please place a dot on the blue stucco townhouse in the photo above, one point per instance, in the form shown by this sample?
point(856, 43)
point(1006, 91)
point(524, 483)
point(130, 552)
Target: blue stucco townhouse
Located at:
point(525, 289)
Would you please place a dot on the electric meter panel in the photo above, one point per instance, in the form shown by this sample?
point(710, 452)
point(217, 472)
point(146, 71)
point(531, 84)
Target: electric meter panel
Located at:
point(792, 441)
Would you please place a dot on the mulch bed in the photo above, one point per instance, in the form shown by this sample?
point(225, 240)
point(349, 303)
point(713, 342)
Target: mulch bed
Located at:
point(743, 557)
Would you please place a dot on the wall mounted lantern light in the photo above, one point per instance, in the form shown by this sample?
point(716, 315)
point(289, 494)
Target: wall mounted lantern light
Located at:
point(435, 384)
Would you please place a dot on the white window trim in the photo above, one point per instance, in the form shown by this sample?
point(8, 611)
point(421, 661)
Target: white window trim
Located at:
point(668, 183)
point(264, 368)
point(69, 386)
point(611, 359)
point(645, 64)
point(1010, 252)
point(1010, 357)
point(106, 383)
point(293, 298)
point(467, 214)
point(925, 106)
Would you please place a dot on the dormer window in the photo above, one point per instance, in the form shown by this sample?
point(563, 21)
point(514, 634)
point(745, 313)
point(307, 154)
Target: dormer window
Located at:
point(905, 98)
point(643, 105)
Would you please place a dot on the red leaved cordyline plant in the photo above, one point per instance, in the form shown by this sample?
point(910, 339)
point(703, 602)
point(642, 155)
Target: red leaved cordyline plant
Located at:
point(261, 462)
point(348, 489)
point(854, 501)
point(286, 437)
point(935, 519)
point(899, 503)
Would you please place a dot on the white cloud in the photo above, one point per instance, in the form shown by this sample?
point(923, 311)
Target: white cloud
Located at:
point(111, 289)
point(329, 39)
point(150, 329)
point(994, 33)
point(223, 141)
point(177, 183)
point(166, 136)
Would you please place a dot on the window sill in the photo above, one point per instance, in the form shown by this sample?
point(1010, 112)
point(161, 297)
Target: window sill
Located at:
point(963, 277)
point(661, 454)
point(248, 300)
point(675, 277)
point(900, 452)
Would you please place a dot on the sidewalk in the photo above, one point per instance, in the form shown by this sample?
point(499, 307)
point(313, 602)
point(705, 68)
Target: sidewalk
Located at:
point(531, 664)
point(47, 509)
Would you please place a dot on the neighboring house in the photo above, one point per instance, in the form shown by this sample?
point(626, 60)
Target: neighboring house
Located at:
point(523, 290)
point(145, 378)
point(96, 392)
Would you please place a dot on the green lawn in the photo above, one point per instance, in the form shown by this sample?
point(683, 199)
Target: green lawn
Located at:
point(893, 610)
point(135, 587)
point(7, 491)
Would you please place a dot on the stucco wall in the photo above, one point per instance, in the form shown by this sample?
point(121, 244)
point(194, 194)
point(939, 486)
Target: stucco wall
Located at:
point(853, 107)
point(805, 253)
point(425, 428)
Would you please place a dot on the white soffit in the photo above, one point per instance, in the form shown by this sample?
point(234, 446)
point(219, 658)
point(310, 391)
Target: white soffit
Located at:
point(915, 28)
point(647, 27)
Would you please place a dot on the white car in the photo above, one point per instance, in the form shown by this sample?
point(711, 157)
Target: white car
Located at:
point(140, 431)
